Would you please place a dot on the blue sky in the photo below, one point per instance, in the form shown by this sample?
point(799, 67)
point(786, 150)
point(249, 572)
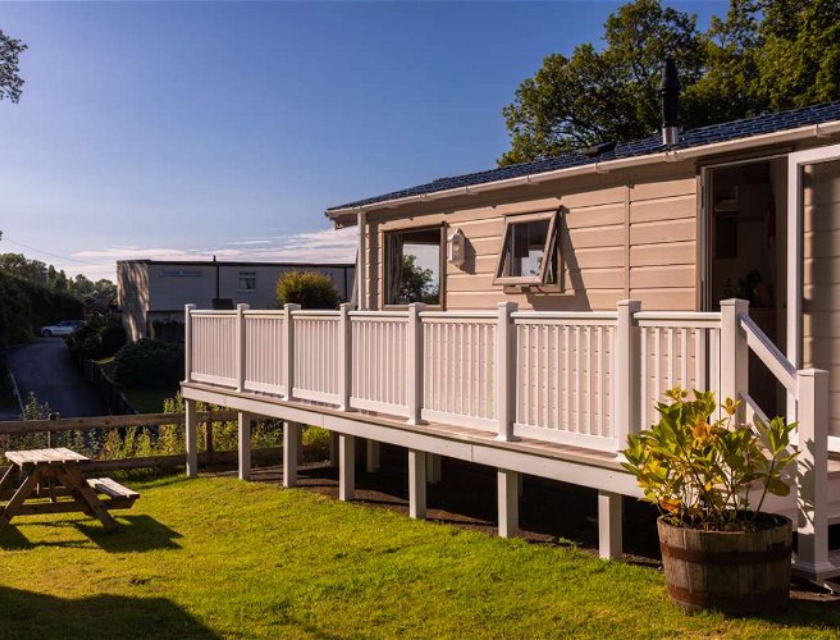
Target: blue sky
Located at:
point(185, 130)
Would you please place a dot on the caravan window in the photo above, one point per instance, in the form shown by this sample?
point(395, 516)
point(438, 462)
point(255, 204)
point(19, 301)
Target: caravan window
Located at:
point(528, 253)
point(413, 261)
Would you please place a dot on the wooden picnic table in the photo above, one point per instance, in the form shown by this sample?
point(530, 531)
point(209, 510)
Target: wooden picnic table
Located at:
point(57, 474)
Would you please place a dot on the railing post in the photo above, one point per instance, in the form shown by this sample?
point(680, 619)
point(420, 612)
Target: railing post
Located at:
point(626, 418)
point(734, 353)
point(188, 343)
point(345, 357)
point(505, 374)
point(812, 472)
point(289, 346)
point(240, 346)
point(414, 362)
point(191, 437)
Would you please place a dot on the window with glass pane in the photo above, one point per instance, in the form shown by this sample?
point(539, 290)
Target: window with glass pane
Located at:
point(247, 280)
point(413, 262)
point(528, 253)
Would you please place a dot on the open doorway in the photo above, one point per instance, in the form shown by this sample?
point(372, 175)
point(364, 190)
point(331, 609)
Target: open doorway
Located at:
point(746, 216)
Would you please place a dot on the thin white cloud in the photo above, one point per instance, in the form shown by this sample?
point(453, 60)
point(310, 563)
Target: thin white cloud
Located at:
point(325, 246)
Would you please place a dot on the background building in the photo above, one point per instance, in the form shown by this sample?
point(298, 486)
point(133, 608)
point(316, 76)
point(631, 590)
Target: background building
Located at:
point(152, 294)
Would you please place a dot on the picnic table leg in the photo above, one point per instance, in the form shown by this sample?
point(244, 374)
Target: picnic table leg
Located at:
point(73, 480)
point(8, 477)
point(14, 505)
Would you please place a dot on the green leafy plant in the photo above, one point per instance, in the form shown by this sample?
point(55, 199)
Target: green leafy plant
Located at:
point(701, 472)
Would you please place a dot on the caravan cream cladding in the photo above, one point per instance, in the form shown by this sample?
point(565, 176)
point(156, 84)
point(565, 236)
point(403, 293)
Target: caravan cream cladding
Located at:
point(628, 235)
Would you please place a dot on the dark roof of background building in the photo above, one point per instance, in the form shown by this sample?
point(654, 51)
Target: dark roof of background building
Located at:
point(737, 129)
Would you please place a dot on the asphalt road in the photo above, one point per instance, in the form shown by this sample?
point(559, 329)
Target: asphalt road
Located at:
point(45, 367)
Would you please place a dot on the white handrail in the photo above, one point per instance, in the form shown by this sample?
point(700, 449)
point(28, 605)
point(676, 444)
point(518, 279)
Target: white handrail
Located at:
point(769, 354)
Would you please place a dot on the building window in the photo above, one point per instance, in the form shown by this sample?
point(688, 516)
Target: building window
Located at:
point(247, 280)
point(414, 264)
point(529, 251)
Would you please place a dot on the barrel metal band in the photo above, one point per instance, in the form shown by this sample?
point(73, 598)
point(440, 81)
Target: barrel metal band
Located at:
point(742, 601)
point(778, 551)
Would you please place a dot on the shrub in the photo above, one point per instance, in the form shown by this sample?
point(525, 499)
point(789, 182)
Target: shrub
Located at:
point(99, 337)
point(698, 470)
point(149, 364)
point(309, 289)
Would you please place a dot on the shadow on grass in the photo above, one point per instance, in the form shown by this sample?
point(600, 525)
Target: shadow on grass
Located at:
point(136, 534)
point(33, 615)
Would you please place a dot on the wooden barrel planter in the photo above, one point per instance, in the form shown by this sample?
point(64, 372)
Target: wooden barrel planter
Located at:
point(734, 572)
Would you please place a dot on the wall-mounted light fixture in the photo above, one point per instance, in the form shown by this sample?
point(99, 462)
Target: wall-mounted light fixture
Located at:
point(456, 248)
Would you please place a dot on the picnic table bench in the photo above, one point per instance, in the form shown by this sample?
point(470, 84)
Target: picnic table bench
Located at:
point(56, 474)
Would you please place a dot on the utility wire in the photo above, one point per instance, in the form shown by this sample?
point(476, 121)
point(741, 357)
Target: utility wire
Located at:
point(54, 255)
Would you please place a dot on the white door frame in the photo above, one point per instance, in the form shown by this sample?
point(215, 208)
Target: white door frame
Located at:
point(795, 237)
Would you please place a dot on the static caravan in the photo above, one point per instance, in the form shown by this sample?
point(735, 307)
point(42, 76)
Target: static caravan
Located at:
point(528, 317)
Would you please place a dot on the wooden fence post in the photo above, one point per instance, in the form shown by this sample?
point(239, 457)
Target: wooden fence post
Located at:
point(505, 375)
point(240, 346)
point(345, 358)
point(626, 419)
point(188, 343)
point(812, 471)
point(191, 437)
point(244, 445)
point(414, 362)
point(734, 353)
point(289, 346)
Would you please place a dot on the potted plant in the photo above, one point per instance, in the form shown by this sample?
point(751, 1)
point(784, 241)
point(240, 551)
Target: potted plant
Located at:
point(719, 550)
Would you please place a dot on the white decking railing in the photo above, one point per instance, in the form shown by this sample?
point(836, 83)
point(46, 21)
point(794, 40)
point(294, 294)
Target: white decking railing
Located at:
point(581, 379)
point(569, 378)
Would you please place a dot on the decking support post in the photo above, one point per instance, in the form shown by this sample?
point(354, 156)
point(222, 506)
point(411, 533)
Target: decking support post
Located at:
point(414, 362)
point(345, 358)
point(371, 456)
point(333, 449)
point(191, 437)
point(188, 343)
point(289, 347)
point(240, 346)
point(417, 484)
point(434, 468)
point(812, 472)
point(734, 353)
point(610, 513)
point(508, 496)
point(505, 375)
point(291, 453)
point(244, 446)
point(626, 418)
point(346, 467)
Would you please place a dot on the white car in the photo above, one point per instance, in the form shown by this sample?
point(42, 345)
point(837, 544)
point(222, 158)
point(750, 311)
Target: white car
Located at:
point(63, 328)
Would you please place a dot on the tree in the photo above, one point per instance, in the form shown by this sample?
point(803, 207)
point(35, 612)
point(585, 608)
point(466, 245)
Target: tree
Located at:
point(417, 284)
point(765, 55)
point(309, 289)
point(11, 84)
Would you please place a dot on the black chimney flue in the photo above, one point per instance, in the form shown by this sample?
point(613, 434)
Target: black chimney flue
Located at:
point(669, 90)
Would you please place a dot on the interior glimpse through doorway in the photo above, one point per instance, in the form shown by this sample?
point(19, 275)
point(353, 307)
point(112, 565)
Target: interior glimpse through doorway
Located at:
point(746, 217)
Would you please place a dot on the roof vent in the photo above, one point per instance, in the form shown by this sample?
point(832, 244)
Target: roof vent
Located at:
point(669, 91)
point(598, 149)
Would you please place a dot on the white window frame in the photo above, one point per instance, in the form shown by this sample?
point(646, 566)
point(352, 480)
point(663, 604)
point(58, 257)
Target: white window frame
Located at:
point(548, 249)
point(249, 273)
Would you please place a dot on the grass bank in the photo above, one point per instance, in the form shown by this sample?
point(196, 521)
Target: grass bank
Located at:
point(216, 557)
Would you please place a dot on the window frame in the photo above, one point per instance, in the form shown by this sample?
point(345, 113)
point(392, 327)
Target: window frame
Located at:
point(550, 246)
point(386, 278)
point(252, 274)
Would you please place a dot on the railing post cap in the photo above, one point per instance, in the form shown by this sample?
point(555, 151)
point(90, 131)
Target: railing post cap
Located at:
point(635, 305)
point(344, 307)
point(508, 306)
point(738, 303)
point(189, 306)
point(417, 305)
point(812, 373)
point(243, 306)
point(291, 306)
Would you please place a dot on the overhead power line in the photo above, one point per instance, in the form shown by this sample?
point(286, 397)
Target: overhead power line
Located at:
point(54, 255)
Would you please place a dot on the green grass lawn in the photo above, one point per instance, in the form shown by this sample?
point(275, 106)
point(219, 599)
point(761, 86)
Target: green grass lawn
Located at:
point(217, 557)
